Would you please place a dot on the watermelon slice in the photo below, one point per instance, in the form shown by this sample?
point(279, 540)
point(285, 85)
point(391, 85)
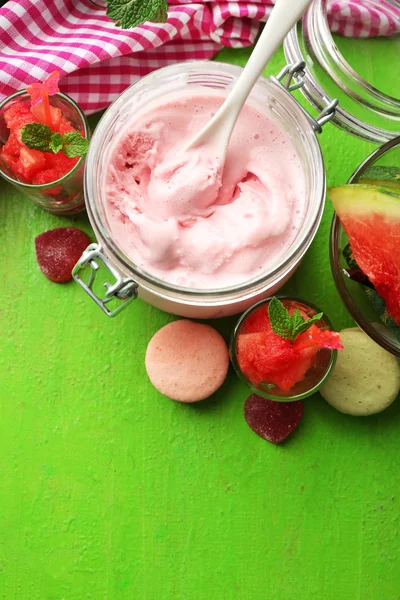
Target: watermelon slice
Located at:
point(370, 215)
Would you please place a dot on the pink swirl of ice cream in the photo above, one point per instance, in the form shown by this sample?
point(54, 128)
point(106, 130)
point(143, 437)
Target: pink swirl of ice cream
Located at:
point(178, 218)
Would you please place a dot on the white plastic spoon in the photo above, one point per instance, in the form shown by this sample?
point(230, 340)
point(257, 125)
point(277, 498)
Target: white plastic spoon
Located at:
point(216, 134)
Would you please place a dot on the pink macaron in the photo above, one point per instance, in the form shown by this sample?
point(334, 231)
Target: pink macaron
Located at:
point(187, 361)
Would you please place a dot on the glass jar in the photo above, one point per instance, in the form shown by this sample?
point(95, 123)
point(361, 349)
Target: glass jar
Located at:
point(367, 109)
point(65, 195)
point(351, 292)
point(129, 280)
point(324, 361)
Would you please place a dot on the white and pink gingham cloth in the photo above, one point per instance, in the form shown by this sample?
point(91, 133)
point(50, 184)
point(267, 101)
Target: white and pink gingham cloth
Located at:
point(98, 60)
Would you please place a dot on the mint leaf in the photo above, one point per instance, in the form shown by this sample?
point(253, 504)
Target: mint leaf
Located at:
point(306, 324)
point(130, 13)
point(280, 320)
point(56, 142)
point(74, 144)
point(297, 319)
point(37, 136)
point(286, 326)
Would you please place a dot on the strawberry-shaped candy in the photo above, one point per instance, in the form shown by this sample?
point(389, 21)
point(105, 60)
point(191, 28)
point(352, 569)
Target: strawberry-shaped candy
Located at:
point(58, 251)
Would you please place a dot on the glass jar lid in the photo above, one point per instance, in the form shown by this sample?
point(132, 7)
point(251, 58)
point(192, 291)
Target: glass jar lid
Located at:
point(361, 72)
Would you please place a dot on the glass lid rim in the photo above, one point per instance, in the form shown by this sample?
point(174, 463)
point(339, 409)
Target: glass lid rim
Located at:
point(316, 95)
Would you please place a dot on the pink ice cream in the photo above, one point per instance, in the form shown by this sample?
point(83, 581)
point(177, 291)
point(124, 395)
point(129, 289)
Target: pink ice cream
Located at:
point(178, 218)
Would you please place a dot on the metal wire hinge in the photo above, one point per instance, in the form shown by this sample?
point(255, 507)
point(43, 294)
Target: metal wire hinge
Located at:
point(295, 72)
point(123, 289)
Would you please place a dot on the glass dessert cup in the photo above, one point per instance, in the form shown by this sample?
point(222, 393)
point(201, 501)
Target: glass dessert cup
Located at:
point(315, 377)
point(65, 195)
point(351, 292)
point(128, 277)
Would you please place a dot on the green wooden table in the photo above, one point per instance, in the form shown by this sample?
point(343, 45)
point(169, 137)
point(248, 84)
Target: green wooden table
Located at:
point(109, 491)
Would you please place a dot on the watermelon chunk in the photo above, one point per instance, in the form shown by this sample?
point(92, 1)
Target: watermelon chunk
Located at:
point(61, 163)
point(267, 358)
point(370, 215)
point(65, 126)
point(17, 116)
point(12, 147)
point(316, 337)
point(55, 113)
point(29, 163)
point(48, 176)
point(257, 321)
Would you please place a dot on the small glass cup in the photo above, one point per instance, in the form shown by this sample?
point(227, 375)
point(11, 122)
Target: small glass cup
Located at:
point(315, 377)
point(65, 195)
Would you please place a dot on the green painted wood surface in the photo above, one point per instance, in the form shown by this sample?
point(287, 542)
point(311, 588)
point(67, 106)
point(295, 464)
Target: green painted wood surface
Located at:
point(109, 491)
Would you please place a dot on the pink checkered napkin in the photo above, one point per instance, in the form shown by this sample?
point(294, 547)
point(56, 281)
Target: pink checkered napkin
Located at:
point(98, 60)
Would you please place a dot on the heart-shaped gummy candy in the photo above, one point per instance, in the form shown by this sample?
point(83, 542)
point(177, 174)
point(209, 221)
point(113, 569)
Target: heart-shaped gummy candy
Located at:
point(273, 421)
point(58, 250)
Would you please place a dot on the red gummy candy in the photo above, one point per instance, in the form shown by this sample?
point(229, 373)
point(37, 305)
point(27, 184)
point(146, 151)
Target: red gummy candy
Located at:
point(273, 421)
point(58, 251)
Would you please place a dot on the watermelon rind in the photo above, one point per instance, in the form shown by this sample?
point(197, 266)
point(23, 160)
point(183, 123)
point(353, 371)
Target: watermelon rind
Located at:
point(359, 199)
point(382, 175)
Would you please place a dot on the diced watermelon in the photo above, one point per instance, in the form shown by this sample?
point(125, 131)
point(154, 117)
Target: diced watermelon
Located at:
point(315, 337)
point(29, 163)
point(265, 357)
point(12, 162)
point(12, 146)
point(17, 116)
point(39, 112)
point(65, 126)
point(63, 164)
point(47, 176)
point(260, 354)
point(257, 321)
point(302, 362)
point(33, 166)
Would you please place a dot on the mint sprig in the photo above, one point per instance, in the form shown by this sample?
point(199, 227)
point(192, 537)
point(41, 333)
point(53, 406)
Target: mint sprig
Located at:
point(288, 326)
point(130, 13)
point(38, 136)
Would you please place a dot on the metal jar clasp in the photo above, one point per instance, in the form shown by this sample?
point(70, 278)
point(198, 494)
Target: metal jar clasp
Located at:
point(295, 72)
point(123, 289)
